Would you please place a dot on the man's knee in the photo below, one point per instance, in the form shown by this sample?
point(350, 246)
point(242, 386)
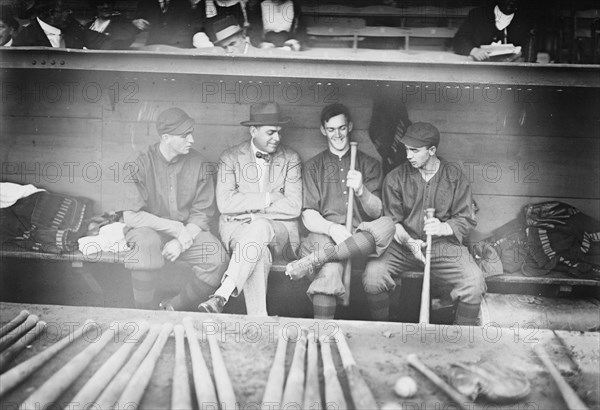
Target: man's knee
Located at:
point(147, 249)
point(376, 279)
point(262, 228)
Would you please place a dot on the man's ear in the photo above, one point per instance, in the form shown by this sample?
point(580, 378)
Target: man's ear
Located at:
point(350, 125)
point(323, 131)
point(432, 150)
point(253, 131)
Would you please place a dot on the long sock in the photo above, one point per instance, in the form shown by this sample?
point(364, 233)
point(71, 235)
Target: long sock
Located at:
point(379, 305)
point(194, 292)
point(360, 244)
point(324, 306)
point(467, 314)
point(143, 283)
point(227, 287)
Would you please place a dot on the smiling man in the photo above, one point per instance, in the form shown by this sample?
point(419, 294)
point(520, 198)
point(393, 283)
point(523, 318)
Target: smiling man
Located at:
point(168, 202)
point(327, 179)
point(427, 181)
point(259, 195)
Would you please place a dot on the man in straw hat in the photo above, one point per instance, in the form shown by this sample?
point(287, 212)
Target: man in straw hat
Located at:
point(259, 195)
point(168, 200)
point(428, 181)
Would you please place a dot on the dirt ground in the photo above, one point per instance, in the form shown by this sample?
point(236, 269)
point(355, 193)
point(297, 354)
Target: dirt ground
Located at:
point(380, 349)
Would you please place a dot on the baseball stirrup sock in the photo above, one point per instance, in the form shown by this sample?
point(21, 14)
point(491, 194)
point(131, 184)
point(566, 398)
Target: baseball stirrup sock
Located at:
point(467, 314)
point(360, 244)
point(379, 306)
point(324, 306)
point(143, 284)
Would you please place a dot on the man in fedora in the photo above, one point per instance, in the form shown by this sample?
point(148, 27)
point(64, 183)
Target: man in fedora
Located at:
point(259, 195)
point(168, 201)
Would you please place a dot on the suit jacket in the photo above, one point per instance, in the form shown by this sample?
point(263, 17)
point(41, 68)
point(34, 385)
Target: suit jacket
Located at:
point(175, 27)
point(120, 33)
point(480, 28)
point(239, 194)
point(74, 35)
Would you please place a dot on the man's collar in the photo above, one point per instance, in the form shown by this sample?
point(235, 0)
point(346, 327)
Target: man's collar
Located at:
point(255, 149)
point(48, 29)
point(345, 154)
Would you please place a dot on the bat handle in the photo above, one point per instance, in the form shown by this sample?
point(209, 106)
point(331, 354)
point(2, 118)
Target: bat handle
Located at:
point(349, 215)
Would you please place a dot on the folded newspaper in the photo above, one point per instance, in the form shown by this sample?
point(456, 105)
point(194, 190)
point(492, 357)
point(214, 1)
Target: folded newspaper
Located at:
point(497, 49)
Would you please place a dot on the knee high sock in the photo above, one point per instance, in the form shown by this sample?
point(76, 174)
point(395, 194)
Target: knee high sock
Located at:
point(193, 293)
point(324, 306)
point(379, 305)
point(467, 314)
point(360, 244)
point(143, 283)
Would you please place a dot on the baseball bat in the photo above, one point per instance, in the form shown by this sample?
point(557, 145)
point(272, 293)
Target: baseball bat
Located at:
point(425, 292)
point(293, 394)
point(52, 388)
point(349, 216)
point(274, 388)
point(134, 390)
point(312, 394)
point(203, 384)
point(18, 331)
point(569, 396)
point(12, 351)
point(16, 321)
point(225, 390)
point(17, 374)
point(334, 395)
point(459, 399)
point(96, 384)
point(181, 397)
point(359, 390)
point(111, 393)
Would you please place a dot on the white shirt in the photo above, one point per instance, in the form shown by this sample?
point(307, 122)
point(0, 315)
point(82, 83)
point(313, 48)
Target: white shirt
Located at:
point(502, 20)
point(100, 25)
point(54, 34)
point(8, 43)
point(262, 168)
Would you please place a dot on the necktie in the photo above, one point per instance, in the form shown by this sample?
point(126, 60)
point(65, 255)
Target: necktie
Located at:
point(265, 157)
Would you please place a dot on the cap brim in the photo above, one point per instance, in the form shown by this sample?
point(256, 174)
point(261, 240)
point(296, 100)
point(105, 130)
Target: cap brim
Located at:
point(282, 121)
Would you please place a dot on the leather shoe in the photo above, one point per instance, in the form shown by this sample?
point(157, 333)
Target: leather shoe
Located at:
point(165, 304)
point(214, 304)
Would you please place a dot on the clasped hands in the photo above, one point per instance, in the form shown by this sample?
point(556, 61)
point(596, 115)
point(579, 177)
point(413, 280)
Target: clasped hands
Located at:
point(432, 227)
point(180, 244)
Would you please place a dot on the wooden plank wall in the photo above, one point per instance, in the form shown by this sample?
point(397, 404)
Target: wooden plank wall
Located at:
point(72, 131)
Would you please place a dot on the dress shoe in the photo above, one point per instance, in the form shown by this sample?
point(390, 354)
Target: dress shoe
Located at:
point(165, 304)
point(214, 304)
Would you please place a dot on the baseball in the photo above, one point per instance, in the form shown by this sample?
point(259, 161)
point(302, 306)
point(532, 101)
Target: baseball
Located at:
point(405, 386)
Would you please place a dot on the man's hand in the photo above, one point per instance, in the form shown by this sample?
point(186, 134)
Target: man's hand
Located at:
point(478, 54)
point(435, 227)
point(172, 250)
point(141, 24)
point(416, 248)
point(355, 181)
point(185, 239)
point(338, 233)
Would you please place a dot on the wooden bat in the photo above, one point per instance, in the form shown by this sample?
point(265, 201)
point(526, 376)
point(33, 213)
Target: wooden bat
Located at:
point(359, 390)
point(225, 390)
point(181, 397)
point(52, 388)
point(18, 331)
point(94, 386)
point(274, 388)
point(16, 321)
point(349, 216)
point(312, 393)
point(11, 352)
point(293, 394)
point(17, 374)
point(425, 292)
point(112, 392)
point(570, 397)
point(462, 401)
point(334, 395)
point(203, 384)
point(132, 395)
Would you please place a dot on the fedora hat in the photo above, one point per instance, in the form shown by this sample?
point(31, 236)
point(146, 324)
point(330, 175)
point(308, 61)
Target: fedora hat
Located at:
point(265, 114)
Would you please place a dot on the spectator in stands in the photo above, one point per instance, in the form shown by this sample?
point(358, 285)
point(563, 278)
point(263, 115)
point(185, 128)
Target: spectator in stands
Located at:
point(168, 22)
point(501, 22)
point(427, 181)
point(120, 32)
point(54, 26)
point(326, 180)
point(259, 195)
point(223, 20)
point(277, 23)
point(169, 206)
point(9, 27)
